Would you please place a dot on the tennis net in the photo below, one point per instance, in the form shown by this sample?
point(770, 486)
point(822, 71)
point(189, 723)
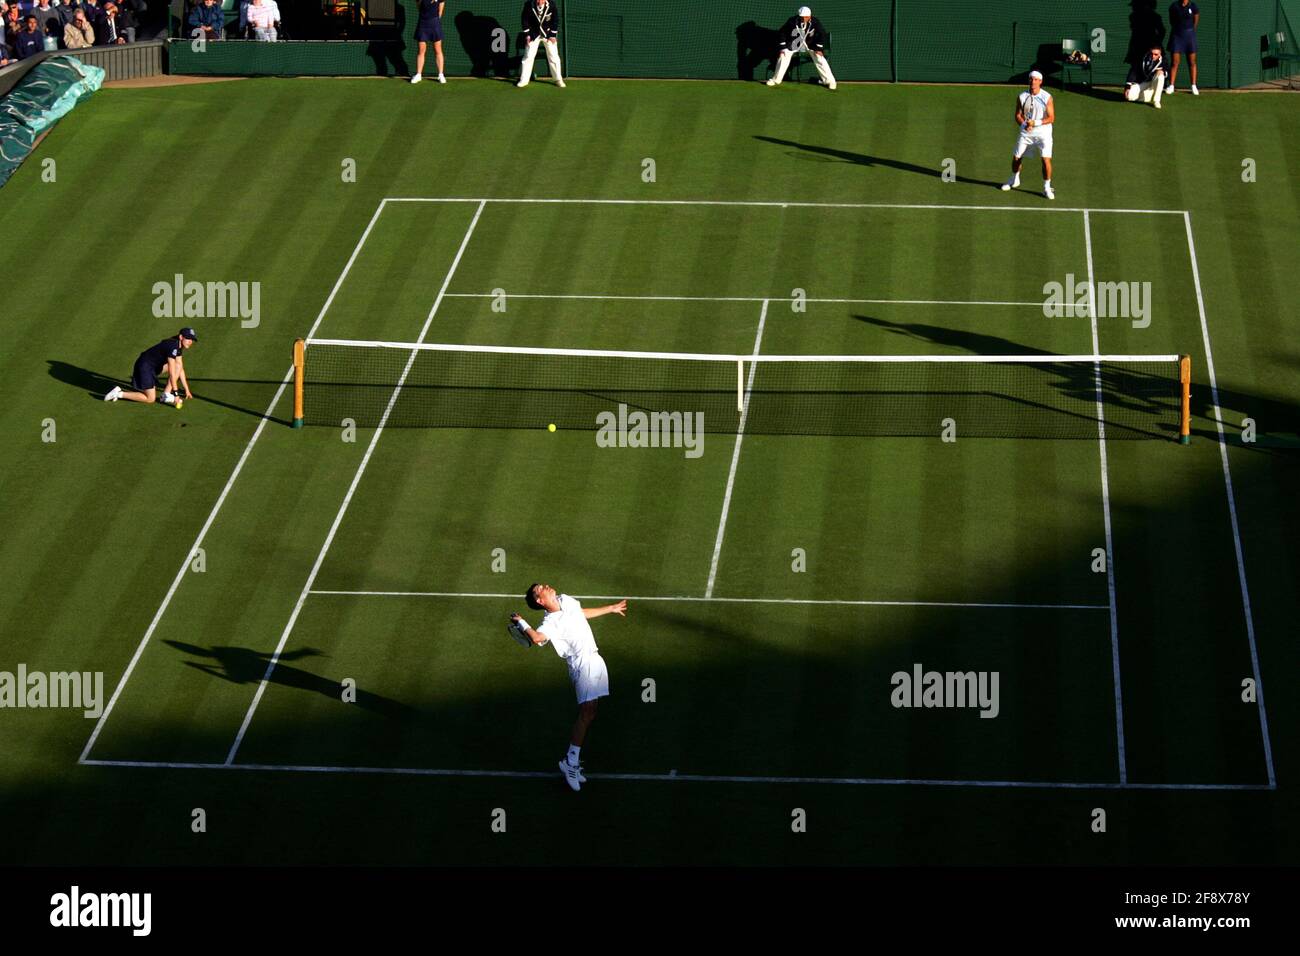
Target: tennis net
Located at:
point(433, 385)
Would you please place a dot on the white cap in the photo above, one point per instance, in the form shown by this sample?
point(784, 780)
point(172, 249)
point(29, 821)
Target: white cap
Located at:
point(1035, 75)
point(804, 11)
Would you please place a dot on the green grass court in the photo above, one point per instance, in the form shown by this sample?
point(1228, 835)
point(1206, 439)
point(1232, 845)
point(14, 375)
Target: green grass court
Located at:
point(374, 559)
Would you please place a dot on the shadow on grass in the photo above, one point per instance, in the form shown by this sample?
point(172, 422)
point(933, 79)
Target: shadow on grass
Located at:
point(243, 665)
point(96, 385)
point(1276, 420)
point(864, 159)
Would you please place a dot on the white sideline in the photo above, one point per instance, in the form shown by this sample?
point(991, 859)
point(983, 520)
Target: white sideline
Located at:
point(735, 456)
point(675, 777)
point(1105, 510)
point(773, 204)
point(347, 499)
point(723, 600)
point(239, 465)
point(1232, 503)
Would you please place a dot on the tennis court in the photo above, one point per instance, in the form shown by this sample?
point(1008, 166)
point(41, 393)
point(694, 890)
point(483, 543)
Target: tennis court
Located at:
point(777, 579)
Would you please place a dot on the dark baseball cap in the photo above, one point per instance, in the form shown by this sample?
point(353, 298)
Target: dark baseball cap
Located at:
point(189, 333)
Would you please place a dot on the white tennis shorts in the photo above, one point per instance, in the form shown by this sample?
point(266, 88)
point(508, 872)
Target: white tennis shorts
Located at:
point(590, 678)
point(1039, 138)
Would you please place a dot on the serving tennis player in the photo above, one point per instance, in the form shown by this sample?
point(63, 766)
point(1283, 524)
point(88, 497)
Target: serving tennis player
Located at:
point(566, 629)
point(1035, 114)
point(542, 28)
point(167, 355)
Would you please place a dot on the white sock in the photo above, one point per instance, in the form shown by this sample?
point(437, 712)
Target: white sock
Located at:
point(1047, 183)
point(574, 750)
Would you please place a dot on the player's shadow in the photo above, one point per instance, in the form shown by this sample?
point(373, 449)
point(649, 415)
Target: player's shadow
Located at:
point(480, 35)
point(243, 665)
point(864, 159)
point(755, 45)
point(1272, 417)
point(207, 390)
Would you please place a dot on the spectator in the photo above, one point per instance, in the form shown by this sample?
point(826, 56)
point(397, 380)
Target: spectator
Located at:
point(206, 21)
point(31, 40)
point(107, 33)
point(68, 10)
point(263, 18)
point(13, 26)
point(95, 14)
point(127, 21)
point(44, 13)
point(78, 34)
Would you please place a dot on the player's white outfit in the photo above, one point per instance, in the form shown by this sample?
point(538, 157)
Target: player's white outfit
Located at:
point(1034, 107)
point(568, 632)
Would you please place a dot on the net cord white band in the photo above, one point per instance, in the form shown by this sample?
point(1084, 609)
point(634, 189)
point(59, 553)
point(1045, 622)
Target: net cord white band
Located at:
point(725, 357)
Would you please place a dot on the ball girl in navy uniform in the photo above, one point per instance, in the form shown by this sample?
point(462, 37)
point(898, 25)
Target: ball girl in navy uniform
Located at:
point(1184, 18)
point(429, 30)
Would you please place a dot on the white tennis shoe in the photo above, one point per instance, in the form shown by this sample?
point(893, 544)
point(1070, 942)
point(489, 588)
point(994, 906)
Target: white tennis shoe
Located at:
point(114, 395)
point(441, 78)
point(417, 78)
point(572, 775)
point(1012, 183)
point(1195, 91)
point(1049, 192)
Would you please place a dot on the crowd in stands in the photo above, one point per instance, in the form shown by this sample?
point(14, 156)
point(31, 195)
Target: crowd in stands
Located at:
point(258, 20)
point(34, 26)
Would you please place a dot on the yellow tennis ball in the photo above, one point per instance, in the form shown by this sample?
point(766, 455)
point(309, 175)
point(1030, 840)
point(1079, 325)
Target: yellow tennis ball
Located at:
point(550, 427)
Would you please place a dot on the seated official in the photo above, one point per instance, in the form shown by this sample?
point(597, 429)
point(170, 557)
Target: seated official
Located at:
point(1146, 79)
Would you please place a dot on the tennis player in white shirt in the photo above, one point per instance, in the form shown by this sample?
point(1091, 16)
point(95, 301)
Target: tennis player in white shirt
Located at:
point(1036, 114)
point(566, 629)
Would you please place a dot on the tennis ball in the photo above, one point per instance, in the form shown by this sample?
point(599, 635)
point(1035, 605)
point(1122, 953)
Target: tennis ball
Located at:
point(550, 427)
point(179, 404)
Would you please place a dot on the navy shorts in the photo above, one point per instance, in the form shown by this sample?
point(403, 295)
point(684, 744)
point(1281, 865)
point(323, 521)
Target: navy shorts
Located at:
point(1182, 43)
point(143, 377)
point(429, 33)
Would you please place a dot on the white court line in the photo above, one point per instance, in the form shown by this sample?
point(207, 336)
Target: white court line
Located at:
point(221, 499)
point(676, 777)
point(1232, 503)
point(735, 455)
point(776, 204)
point(724, 600)
point(1105, 509)
point(732, 298)
point(347, 499)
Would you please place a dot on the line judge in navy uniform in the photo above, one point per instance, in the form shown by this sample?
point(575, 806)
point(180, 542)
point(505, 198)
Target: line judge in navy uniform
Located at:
point(167, 354)
point(429, 30)
point(541, 29)
point(1184, 17)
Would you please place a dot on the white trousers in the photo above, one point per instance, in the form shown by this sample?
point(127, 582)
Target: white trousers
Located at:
point(1146, 92)
point(530, 54)
point(823, 67)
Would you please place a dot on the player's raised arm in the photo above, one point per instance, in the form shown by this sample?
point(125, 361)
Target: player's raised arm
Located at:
point(619, 608)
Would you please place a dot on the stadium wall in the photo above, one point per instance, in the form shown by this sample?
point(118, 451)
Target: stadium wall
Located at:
point(991, 41)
